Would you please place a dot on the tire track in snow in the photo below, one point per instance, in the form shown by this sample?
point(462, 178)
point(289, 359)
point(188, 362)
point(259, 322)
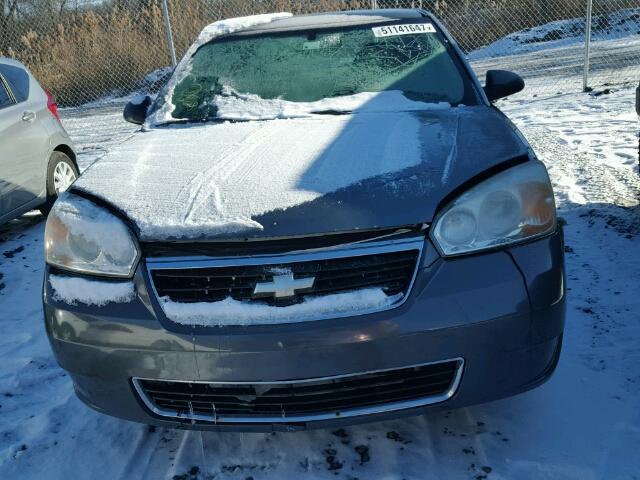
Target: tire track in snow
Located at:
point(573, 125)
point(153, 453)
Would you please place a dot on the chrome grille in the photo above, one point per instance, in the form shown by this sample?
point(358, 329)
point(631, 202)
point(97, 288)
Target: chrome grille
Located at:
point(390, 266)
point(302, 400)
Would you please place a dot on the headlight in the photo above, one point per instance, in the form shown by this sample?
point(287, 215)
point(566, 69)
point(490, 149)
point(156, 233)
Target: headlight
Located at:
point(510, 207)
point(85, 238)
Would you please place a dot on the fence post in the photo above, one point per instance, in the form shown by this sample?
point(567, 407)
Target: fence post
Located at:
point(167, 27)
point(587, 47)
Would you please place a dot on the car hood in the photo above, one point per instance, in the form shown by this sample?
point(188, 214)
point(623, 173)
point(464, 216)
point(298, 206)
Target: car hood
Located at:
point(302, 176)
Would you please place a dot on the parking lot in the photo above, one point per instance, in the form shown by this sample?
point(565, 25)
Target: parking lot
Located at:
point(584, 423)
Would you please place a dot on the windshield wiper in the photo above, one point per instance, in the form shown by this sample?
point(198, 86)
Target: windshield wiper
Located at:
point(186, 121)
point(172, 122)
point(331, 112)
point(423, 97)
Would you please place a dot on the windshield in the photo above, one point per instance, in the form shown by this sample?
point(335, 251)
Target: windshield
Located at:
point(311, 66)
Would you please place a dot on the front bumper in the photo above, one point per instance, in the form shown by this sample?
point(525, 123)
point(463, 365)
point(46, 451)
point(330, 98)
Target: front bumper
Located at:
point(501, 312)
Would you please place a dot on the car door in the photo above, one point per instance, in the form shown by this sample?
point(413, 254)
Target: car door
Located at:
point(24, 142)
point(6, 167)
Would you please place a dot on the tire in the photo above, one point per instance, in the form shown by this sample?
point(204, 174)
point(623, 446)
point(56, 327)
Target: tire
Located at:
point(61, 169)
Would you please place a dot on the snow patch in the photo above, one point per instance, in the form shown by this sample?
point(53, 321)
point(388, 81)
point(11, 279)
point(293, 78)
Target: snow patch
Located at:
point(73, 290)
point(234, 312)
point(235, 106)
point(157, 75)
point(214, 30)
point(216, 179)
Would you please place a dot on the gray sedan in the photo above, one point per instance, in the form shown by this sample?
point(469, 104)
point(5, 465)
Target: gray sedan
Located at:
point(37, 160)
point(324, 221)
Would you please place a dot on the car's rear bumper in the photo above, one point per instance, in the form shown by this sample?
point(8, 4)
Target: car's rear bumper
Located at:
point(501, 312)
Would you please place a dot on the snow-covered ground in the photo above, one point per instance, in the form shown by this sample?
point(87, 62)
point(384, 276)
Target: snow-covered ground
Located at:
point(550, 57)
point(584, 423)
point(96, 129)
point(614, 26)
point(549, 72)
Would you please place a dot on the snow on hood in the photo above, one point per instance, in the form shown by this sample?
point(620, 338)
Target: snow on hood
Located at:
point(208, 180)
point(216, 29)
point(300, 176)
point(235, 106)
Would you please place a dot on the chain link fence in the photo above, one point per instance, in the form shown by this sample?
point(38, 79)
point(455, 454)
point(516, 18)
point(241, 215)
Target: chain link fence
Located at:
point(92, 54)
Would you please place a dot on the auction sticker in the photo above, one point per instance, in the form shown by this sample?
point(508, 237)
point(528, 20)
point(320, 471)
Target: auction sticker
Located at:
point(407, 29)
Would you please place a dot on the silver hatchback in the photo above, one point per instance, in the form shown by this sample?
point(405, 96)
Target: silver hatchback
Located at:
point(37, 160)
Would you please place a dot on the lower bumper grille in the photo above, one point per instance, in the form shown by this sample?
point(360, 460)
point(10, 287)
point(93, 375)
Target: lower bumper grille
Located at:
point(302, 400)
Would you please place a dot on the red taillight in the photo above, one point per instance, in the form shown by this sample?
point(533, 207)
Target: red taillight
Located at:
point(52, 106)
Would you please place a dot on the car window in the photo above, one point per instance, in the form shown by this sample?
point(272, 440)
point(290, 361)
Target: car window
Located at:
point(18, 80)
point(308, 66)
point(5, 99)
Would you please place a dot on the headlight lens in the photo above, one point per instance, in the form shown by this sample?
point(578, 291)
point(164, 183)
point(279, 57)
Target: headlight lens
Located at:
point(510, 207)
point(85, 238)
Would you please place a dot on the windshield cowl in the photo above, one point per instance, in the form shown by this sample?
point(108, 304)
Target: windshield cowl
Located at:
point(234, 107)
point(238, 107)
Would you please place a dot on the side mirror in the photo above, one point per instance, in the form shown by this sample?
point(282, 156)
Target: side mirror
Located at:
point(136, 110)
point(502, 83)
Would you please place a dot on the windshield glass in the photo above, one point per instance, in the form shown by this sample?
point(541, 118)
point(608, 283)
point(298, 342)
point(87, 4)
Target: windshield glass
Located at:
point(311, 66)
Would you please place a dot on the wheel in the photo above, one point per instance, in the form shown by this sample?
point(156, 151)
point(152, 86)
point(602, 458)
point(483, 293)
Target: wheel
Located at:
point(61, 173)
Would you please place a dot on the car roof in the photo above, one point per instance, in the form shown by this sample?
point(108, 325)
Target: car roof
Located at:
point(12, 62)
point(335, 19)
